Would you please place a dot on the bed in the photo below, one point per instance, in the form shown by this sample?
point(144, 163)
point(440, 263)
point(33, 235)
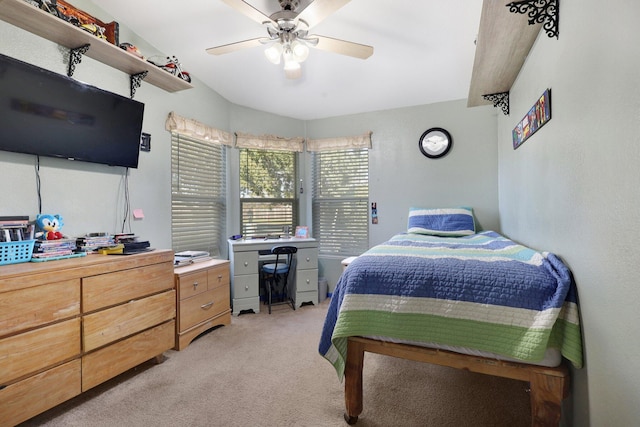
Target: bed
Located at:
point(442, 293)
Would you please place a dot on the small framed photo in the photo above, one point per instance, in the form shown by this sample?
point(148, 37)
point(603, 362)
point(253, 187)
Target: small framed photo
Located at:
point(302, 231)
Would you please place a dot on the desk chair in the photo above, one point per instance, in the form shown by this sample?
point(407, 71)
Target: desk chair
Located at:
point(273, 273)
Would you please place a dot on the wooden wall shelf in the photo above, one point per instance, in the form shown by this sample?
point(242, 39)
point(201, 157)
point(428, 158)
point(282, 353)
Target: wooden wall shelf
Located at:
point(503, 43)
point(43, 24)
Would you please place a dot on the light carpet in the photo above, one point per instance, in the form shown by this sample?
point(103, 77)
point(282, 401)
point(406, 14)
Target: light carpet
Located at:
point(265, 370)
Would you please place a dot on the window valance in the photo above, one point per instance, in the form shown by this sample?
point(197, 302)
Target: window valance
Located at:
point(269, 142)
point(195, 129)
point(340, 143)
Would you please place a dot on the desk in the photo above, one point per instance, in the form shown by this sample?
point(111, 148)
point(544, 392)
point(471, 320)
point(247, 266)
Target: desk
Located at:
point(245, 266)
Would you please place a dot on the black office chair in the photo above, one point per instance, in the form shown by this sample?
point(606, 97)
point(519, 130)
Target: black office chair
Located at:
point(274, 273)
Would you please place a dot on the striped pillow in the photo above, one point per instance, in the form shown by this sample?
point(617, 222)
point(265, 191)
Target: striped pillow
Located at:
point(442, 222)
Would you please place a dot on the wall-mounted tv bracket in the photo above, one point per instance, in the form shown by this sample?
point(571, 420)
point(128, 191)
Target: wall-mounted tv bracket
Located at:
point(539, 11)
point(75, 57)
point(136, 81)
point(499, 100)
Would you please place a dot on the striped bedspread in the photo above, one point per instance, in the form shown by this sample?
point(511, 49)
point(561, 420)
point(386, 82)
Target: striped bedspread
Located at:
point(482, 291)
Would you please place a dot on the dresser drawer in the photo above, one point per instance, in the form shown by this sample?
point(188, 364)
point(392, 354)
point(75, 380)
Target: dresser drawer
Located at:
point(38, 349)
point(218, 276)
point(108, 289)
point(192, 284)
point(113, 360)
point(245, 263)
point(112, 324)
point(36, 394)
point(307, 258)
point(30, 307)
point(306, 280)
point(203, 306)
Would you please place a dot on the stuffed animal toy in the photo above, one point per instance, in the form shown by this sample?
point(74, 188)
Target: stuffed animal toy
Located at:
point(49, 226)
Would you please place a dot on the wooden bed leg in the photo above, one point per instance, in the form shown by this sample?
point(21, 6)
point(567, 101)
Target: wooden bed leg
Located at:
point(353, 381)
point(547, 393)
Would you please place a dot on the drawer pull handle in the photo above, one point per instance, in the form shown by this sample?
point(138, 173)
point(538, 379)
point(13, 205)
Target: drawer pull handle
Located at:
point(206, 306)
point(246, 263)
point(195, 285)
point(246, 288)
point(219, 276)
point(308, 281)
point(308, 259)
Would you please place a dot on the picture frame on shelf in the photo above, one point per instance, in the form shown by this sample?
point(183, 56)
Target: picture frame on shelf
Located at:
point(302, 232)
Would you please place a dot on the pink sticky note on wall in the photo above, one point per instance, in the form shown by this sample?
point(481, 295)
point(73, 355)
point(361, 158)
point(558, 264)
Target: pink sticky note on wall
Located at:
point(138, 214)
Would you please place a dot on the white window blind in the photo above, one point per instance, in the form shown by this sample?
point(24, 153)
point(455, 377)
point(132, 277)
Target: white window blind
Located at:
point(340, 201)
point(267, 191)
point(198, 194)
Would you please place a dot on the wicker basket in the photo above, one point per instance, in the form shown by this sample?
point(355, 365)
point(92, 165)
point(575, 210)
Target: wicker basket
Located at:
point(16, 252)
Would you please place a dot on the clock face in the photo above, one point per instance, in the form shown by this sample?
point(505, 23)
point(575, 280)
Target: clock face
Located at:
point(435, 143)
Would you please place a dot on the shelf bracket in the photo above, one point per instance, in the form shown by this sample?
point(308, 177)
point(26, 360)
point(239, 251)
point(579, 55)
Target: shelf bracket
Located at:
point(539, 11)
point(499, 100)
point(75, 57)
point(136, 81)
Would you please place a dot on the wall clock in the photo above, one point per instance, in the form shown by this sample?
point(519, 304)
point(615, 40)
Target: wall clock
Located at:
point(435, 143)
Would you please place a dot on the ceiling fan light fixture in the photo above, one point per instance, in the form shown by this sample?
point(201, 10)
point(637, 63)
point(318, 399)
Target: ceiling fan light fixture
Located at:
point(300, 51)
point(273, 53)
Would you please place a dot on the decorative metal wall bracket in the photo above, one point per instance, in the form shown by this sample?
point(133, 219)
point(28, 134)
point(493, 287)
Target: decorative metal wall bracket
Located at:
point(539, 11)
point(136, 81)
point(499, 100)
point(75, 57)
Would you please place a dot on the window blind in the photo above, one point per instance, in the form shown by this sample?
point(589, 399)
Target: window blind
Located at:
point(267, 191)
point(198, 194)
point(340, 201)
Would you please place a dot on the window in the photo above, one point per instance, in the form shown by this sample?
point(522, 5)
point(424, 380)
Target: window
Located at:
point(267, 191)
point(341, 201)
point(198, 194)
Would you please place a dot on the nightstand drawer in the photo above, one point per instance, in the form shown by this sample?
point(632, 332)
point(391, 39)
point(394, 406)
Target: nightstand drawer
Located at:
point(218, 276)
point(202, 307)
point(192, 284)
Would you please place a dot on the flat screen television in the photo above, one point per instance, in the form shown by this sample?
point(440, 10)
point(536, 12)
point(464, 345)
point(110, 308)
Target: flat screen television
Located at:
point(49, 114)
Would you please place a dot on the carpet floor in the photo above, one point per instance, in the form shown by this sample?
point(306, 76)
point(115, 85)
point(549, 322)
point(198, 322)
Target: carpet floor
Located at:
point(265, 370)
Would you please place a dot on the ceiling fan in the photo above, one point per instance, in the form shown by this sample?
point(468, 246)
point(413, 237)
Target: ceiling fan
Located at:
point(288, 34)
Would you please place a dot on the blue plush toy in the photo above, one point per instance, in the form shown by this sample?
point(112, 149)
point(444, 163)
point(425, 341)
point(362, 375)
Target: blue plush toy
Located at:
point(50, 226)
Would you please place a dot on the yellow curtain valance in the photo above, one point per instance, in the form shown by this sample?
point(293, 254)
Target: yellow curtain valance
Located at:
point(195, 129)
point(269, 142)
point(340, 143)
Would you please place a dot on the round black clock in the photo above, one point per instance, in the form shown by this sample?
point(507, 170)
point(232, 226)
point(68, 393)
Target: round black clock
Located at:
point(435, 143)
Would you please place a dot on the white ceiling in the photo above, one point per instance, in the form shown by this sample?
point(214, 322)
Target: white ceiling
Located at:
point(423, 53)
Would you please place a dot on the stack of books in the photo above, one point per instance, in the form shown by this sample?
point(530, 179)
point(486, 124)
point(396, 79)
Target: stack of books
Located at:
point(90, 243)
point(131, 243)
point(44, 249)
point(189, 257)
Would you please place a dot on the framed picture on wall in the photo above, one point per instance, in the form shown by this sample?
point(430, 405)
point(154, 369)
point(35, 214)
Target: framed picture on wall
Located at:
point(537, 117)
point(302, 231)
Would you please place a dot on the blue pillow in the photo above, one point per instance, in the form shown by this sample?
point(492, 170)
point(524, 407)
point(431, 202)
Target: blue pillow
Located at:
point(451, 222)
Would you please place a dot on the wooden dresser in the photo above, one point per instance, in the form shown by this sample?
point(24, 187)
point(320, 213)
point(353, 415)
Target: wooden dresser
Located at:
point(204, 299)
point(69, 325)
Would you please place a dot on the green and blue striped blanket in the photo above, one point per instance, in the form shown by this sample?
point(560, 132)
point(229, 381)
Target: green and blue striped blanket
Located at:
point(482, 291)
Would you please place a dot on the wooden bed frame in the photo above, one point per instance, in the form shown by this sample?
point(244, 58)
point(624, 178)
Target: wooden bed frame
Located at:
point(549, 386)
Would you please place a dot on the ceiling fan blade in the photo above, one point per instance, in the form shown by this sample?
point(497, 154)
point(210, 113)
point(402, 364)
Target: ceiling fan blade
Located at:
point(343, 47)
point(320, 9)
point(248, 10)
point(232, 47)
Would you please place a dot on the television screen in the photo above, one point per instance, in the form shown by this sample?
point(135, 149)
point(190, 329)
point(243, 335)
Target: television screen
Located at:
point(49, 114)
